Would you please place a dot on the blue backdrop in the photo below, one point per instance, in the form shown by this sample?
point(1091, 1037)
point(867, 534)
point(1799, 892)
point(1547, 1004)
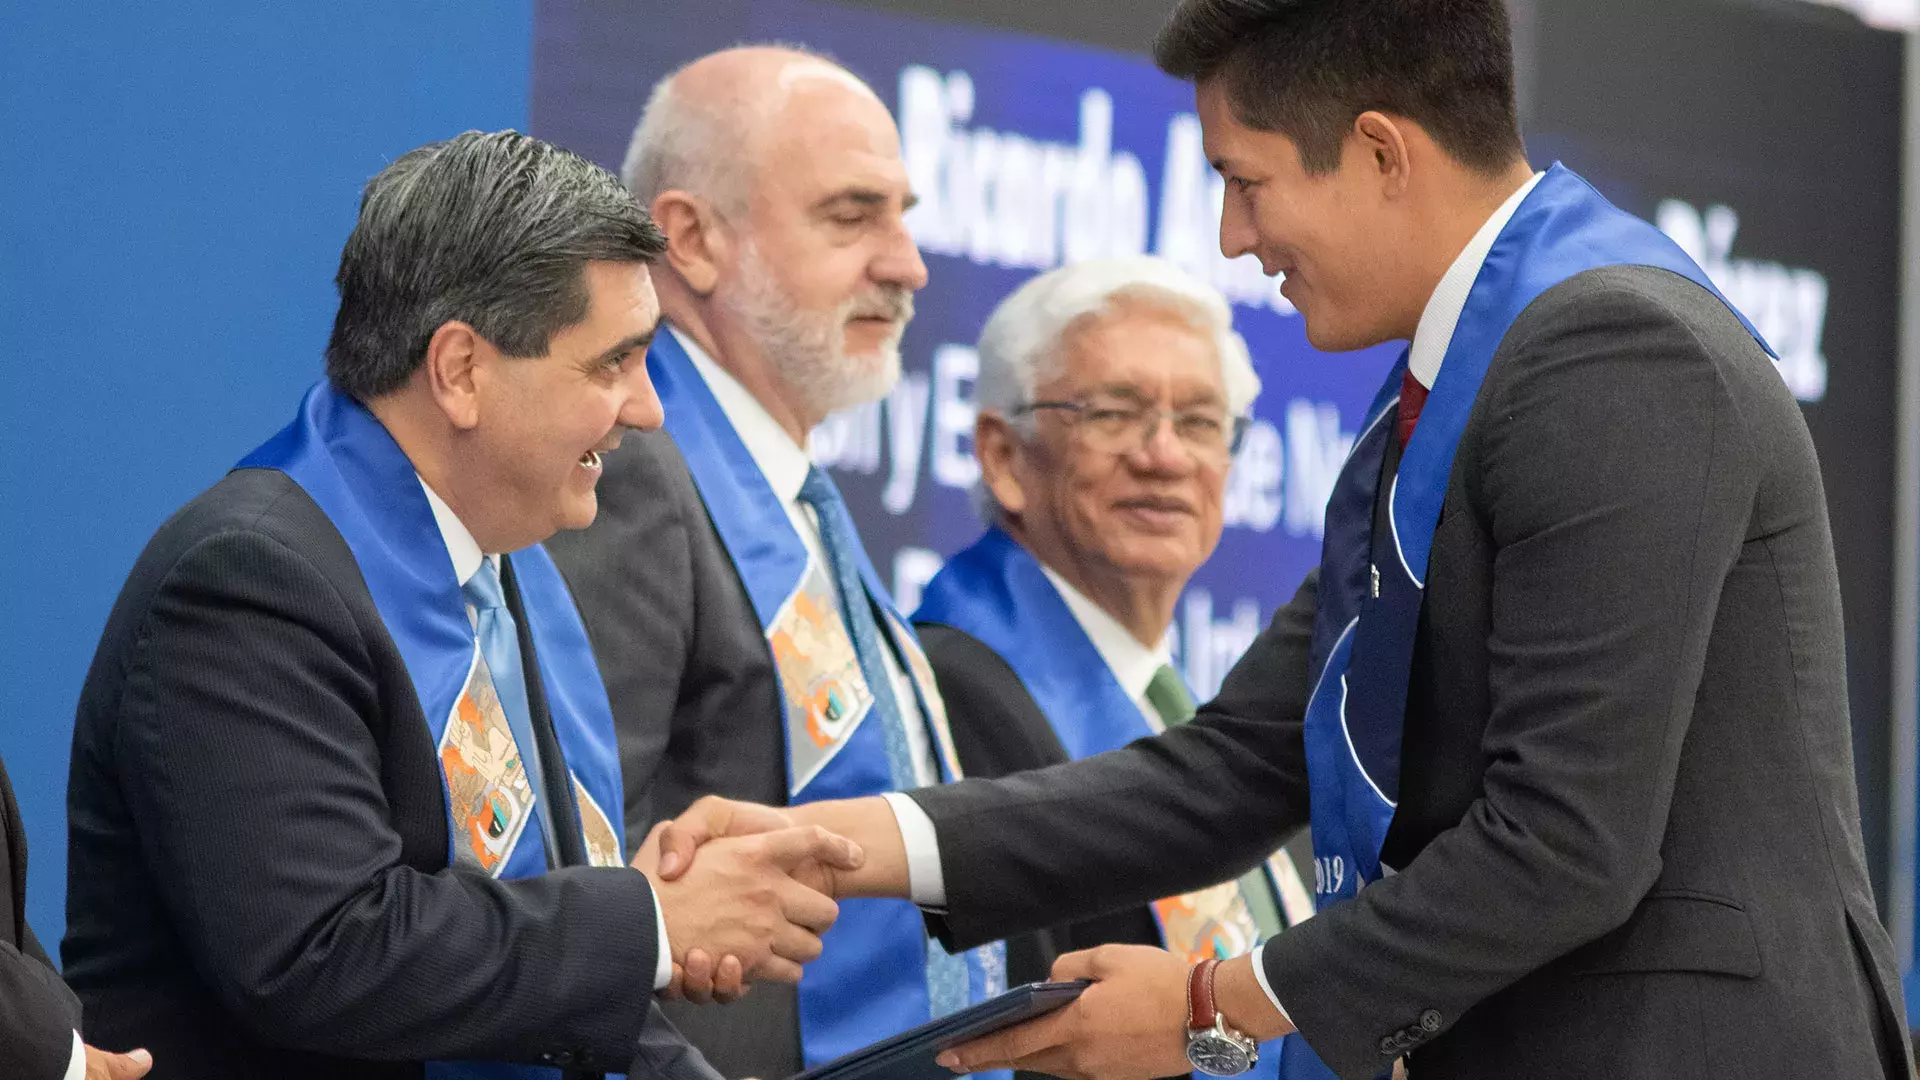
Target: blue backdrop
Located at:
point(179, 181)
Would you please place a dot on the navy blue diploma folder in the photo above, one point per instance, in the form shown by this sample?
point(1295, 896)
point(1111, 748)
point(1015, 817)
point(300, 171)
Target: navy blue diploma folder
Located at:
point(909, 1055)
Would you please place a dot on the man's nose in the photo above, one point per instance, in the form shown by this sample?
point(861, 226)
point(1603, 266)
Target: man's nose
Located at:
point(899, 262)
point(1236, 230)
point(642, 410)
point(1163, 450)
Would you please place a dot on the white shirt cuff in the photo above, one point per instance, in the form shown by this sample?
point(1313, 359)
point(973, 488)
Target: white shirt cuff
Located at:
point(926, 885)
point(662, 968)
point(1259, 955)
point(77, 1065)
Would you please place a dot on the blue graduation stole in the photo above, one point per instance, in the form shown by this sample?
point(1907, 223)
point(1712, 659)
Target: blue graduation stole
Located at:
point(345, 460)
point(1371, 587)
point(871, 982)
point(996, 592)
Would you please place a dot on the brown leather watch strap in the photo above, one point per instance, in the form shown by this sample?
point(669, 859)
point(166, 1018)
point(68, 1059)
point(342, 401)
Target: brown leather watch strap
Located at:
point(1200, 1011)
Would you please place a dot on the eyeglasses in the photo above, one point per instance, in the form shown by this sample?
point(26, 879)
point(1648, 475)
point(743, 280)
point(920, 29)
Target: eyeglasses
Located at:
point(1115, 424)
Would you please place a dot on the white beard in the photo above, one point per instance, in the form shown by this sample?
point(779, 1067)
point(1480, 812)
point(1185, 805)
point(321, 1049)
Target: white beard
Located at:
point(808, 349)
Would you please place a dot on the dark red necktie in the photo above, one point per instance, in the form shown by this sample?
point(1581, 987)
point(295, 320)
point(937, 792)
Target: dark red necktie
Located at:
point(1412, 397)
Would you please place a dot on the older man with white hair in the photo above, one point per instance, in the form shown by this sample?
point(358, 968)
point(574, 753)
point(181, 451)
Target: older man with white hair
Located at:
point(749, 650)
point(1112, 395)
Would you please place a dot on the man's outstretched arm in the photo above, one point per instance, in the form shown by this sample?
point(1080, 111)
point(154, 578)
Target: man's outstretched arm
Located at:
point(1161, 816)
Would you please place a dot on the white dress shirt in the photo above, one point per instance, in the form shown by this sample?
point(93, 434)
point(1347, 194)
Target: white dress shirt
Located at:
point(77, 1064)
point(467, 556)
point(926, 880)
point(1442, 313)
point(785, 465)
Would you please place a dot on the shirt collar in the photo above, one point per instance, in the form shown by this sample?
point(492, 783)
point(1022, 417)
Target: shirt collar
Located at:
point(1442, 313)
point(461, 546)
point(784, 462)
point(1132, 663)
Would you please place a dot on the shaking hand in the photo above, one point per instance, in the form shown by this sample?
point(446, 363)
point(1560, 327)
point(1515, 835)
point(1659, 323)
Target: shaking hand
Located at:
point(753, 906)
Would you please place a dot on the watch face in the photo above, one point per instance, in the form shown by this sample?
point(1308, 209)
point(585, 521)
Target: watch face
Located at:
point(1217, 1055)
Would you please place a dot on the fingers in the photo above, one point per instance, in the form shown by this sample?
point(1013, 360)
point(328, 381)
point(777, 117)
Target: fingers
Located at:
point(730, 983)
point(806, 908)
point(647, 858)
point(796, 944)
point(697, 977)
point(788, 848)
point(1003, 1049)
point(709, 817)
point(1075, 965)
point(1058, 1061)
point(132, 1065)
point(748, 819)
point(678, 840)
point(777, 969)
point(703, 982)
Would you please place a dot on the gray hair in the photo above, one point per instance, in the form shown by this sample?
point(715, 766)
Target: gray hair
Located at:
point(494, 230)
point(1021, 345)
point(678, 144)
point(684, 142)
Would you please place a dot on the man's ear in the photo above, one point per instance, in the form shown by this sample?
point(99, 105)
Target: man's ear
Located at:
point(697, 245)
point(1384, 141)
point(451, 371)
point(996, 445)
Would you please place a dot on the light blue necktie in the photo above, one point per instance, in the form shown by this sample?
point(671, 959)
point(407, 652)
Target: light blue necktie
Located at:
point(500, 646)
point(946, 973)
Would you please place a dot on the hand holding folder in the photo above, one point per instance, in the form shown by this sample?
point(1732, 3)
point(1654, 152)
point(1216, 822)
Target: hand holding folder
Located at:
point(910, 1054)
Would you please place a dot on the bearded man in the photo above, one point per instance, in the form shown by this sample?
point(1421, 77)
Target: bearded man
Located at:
point(748, 647)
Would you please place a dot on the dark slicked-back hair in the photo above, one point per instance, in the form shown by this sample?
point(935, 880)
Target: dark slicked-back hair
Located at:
point(1307, 68)
point(492, 229)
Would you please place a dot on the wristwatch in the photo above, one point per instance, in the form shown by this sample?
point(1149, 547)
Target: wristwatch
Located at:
point(1213, 1047)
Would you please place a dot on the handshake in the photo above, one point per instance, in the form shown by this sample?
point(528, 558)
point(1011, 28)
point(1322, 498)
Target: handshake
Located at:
point(747, 891)
point(754, 902)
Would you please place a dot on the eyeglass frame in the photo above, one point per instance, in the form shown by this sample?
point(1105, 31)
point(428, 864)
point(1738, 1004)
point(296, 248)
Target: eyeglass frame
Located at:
point(1237, 424)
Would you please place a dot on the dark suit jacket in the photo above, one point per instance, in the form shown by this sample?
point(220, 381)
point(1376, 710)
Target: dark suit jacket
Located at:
point(696, 700)
point(38, 1014)
point(259, 881)
point(1627, 835)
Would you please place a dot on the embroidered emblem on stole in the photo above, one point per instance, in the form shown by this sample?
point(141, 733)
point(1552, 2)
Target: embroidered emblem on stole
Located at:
point(819, 673)
point(603, 845)
point(487, 786)
point(1209, 924)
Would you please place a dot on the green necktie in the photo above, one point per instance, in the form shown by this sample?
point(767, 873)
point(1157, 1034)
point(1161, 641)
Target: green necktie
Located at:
point(1168, 695)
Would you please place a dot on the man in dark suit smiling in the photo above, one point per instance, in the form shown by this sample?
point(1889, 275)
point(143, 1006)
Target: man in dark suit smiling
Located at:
point(345, 800)
point(1567, 692)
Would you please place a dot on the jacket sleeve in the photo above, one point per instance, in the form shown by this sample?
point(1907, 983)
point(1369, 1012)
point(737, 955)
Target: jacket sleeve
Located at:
point(38, 1016)
point(1164, 815)
point(246, 737)
point(662, 1053)
point(1614, 477)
